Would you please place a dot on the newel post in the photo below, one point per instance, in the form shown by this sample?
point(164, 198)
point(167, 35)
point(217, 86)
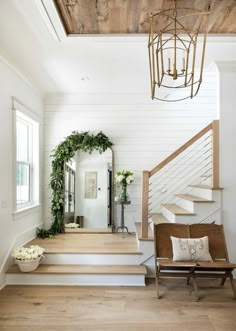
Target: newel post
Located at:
point(145, 190)
point(215, 155)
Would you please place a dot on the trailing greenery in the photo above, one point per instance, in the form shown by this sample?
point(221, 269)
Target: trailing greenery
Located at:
point(83, 141)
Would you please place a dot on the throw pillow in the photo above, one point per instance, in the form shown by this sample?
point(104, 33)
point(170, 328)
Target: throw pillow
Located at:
point(194, 249)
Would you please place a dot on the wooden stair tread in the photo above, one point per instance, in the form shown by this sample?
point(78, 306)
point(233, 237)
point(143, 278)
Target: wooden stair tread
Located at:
point(77, 243)
point(207, 187)
point(177, 210)
point(192, 198)
point(158, 218)
point(138, 226)
point(83, 269)
point(88, 230)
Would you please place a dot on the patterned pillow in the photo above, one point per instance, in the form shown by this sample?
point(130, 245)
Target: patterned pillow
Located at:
point(195, 249)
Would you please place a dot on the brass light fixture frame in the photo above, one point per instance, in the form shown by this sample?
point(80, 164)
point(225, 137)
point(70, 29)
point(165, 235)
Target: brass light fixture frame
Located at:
point(175, 38)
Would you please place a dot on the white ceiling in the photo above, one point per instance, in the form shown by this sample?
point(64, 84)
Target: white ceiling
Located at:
point(86, 64)
point(77, 64)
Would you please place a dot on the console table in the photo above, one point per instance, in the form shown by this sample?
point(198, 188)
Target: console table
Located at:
point(122, 226)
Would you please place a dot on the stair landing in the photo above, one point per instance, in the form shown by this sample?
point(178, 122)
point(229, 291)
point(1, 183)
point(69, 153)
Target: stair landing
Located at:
point(75, 243)
point(85, 259)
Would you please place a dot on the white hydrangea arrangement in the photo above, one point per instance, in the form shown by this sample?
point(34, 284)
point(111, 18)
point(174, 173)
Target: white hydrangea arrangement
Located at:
point(32, 252)
point(71, 225)
point(124, 177)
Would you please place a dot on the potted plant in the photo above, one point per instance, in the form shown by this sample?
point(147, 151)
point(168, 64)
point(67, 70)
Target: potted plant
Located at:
point(124, 178)
point(28, 258)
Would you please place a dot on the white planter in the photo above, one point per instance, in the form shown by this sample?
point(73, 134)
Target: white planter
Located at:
point(29, 265)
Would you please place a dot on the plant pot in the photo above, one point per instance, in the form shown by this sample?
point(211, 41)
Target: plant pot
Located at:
point(29, 265)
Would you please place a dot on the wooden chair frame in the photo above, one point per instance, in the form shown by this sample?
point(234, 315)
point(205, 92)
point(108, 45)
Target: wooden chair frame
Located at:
point(167, 268)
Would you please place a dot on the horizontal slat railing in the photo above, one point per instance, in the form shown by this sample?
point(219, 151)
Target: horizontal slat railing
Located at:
point(202, 148)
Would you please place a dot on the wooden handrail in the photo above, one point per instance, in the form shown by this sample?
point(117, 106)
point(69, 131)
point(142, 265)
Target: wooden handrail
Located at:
point(180, 149)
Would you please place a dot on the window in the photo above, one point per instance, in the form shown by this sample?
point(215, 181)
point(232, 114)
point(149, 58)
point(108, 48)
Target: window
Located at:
point(24, 165)
point(27, 160)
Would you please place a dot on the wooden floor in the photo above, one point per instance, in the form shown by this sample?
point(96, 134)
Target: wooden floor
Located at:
point(89, 243)
point(32, 308)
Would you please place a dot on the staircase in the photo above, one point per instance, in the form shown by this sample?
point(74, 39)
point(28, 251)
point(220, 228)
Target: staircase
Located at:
point(184, 188)
point(85, 259)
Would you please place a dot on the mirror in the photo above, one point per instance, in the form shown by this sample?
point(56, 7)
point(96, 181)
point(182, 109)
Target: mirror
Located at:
point(88, 190)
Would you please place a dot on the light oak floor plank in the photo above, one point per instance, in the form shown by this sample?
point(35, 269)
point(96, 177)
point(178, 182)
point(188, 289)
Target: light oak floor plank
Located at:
point(40, 308)
point(71, 243)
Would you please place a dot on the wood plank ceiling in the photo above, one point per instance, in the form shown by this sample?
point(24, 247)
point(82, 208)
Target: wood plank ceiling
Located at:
point(132, 16)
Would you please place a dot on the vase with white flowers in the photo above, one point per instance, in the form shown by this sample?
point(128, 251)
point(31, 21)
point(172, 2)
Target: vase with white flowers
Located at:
point(123, 179)
point(28, 258)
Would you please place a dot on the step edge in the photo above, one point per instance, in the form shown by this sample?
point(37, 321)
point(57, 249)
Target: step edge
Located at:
point(206, 187)
point(93, 253)
point(194, 197)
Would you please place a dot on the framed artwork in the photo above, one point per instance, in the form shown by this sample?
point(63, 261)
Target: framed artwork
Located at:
point(90, 185)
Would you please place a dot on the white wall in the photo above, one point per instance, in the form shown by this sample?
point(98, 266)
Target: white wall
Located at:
point(143, 131)
point(15, 230)
point(227, 89)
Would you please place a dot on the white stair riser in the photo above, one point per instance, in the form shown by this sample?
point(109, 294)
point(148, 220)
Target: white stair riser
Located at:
point(199, 208)
point(92, 259)
point(79, 279)
point(208, 194)
point(169, 215)
point(186, 204)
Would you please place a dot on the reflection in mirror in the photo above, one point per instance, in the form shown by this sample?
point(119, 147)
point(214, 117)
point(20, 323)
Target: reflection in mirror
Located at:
point(88, 190)
point(69, 208)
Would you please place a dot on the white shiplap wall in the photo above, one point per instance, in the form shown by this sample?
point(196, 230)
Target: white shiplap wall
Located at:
point(143, 131)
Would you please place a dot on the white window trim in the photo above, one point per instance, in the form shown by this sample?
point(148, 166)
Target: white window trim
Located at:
point(30, 124)
point(18, 105)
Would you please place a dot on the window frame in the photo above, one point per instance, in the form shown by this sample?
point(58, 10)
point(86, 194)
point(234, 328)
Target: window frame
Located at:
point(23, 114)
point(29, 162)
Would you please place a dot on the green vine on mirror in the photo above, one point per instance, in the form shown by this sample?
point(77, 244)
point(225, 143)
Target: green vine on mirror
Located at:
point(83, 141)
